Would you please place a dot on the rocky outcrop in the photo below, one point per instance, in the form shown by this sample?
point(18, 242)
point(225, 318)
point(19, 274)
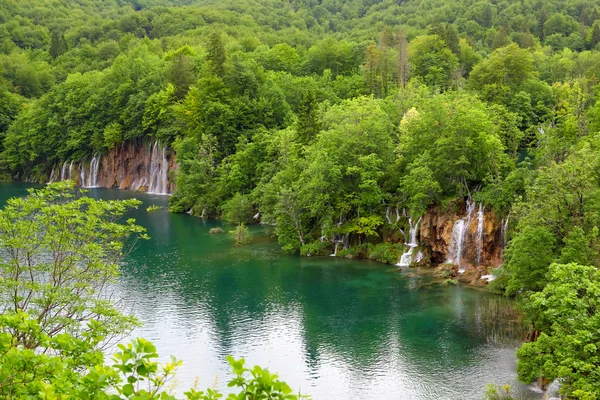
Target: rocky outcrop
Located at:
point(138, 166)
point(482, 237)
point(135, 165)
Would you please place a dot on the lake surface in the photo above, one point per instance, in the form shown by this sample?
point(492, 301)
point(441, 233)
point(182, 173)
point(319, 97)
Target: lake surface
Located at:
point(331, 328)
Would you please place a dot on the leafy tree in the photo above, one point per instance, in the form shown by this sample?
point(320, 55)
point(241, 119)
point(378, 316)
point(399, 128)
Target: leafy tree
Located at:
point(58, 45)
point(528, 257)
point(238, 209)
point(565, 312)
point(432, 61)
point(216, 55)
point(60, 253)
point(502, 74)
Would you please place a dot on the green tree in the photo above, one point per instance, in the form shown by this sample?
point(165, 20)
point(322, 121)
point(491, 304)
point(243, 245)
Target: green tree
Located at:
point(58, 45)
point(528, 257)
point(61, 252)
point(566, 314)
point(432, 61)
point(216, 54)
point(502, 74)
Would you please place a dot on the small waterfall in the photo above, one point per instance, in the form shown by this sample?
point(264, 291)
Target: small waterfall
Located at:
point(505, 229)
point(159, 170)
point(63, 172)
point(334, 254)
point(459, 232)
point(52, 175)
point(336, 238)
point(91, 179)
point(397, 213)
point(407, 257)
point(480, 217)
point(70, 169)
point(387, 215)
point(82, 173)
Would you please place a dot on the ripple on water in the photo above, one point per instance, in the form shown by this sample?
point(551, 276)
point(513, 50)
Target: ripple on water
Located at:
point(333, 328)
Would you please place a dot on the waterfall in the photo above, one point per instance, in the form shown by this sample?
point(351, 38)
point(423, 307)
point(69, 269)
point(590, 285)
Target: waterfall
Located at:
point(70, 169)
point(52, 177)
point(91, 180)
point(63, 172)
point(397, 213)
point(407, 257)
point(480, 217)
point(459, 232)
point(505, 229)
point(387, 215)
point(159, 170)
point(334, 254)
point(82, 173)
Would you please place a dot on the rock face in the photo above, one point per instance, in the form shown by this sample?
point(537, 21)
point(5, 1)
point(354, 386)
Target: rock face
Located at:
point(136, 165)
point(463, 234)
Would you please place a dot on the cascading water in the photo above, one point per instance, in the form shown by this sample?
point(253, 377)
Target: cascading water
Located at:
point(387, 215)
point(459, 232)
point(63, 172)
point(70, 169)
point(505, 229)
point(480, 217)
point(407, 257)
point(91, 179)
point(337, 240)
point(52, 175)
point(159, 170)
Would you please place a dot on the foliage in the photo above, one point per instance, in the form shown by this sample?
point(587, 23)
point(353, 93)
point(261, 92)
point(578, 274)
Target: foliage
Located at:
point(215, 231)
point(565, 312)
point(60, 252)
point(240, 234)
point(79, 372)
point(385, 253)
point(498, 393)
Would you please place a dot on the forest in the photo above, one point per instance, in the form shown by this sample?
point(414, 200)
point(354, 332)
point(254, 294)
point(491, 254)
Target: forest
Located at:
point(318, 115)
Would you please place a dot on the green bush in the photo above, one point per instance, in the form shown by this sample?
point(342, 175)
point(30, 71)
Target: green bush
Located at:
point(316, 248)
point(385, 253)
point(216, 231)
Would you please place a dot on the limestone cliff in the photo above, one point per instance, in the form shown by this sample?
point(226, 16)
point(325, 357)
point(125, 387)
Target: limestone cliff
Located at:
point(467, 236)
point(136, 165)
point(436, 234)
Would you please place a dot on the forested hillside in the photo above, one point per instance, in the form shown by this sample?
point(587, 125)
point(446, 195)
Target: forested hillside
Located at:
point(318, 116)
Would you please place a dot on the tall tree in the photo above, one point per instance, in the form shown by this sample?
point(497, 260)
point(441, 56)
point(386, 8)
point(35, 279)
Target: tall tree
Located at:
point(402, 59)
point(216, 54)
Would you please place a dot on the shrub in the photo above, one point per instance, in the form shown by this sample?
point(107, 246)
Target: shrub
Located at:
point(216, 231)
point(385, 253)
point(316, 248)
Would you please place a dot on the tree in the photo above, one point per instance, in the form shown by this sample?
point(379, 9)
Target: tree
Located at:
point(528, 257)
point(594, 36)
point(216, 55)
point(402, 59)
point(58, 45)
point(432, 61)
point(60, 253)
point(238, 209)
point(502, 74)
point(308, 125)
point(566, 314)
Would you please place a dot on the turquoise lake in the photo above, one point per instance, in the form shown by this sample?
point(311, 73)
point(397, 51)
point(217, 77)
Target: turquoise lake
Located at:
point(331, 328)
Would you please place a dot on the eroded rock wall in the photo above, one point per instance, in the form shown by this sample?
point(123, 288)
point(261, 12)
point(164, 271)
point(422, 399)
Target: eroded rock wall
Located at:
point(436, 236)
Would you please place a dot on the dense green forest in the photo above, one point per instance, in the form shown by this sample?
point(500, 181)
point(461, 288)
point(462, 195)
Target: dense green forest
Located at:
point(318, 115)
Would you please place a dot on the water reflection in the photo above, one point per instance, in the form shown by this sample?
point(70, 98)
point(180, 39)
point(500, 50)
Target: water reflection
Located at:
point(337, 329)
